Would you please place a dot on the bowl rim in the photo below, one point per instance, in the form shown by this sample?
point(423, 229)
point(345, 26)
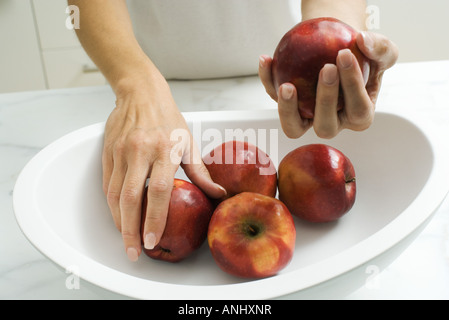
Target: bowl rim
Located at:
point(45, 240)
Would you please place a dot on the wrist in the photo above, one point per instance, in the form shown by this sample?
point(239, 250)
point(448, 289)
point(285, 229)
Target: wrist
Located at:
point(146, 78)
point(352, 12)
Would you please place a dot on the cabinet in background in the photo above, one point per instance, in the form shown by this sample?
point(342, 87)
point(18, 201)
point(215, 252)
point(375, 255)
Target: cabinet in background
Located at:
point(37, 51)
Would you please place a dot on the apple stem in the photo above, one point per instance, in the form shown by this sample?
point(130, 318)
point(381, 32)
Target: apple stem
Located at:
point(352, 180)
point(253, 230)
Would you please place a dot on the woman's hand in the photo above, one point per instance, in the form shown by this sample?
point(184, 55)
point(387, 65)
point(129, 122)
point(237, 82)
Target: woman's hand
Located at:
point(139, 144)
point(360, 99)
point(145, 135)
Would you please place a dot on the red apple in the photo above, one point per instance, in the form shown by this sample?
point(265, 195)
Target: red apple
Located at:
point(239, 166)
point(189, 213)
point(251, 235)
point(305, 49)
point(317, 183)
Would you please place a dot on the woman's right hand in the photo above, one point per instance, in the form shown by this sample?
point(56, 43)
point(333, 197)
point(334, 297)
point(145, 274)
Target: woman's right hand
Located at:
point(138, 144)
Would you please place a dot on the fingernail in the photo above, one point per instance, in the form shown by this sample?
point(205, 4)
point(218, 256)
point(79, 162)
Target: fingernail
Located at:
point(222, 189)
point(329, 74)
point(345, 58)
point(262, 61)
point(287, 92)
point(132, 253)
point(367, 41)
point(150, 241)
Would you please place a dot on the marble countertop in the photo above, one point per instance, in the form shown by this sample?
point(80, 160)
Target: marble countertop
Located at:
point(31, 120)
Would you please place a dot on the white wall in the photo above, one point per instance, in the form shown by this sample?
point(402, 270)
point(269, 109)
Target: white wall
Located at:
point(20, 59)
point(37, 51)
point(419, 28)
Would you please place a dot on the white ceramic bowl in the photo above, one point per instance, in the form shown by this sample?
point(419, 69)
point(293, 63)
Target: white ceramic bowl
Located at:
point(402, 177)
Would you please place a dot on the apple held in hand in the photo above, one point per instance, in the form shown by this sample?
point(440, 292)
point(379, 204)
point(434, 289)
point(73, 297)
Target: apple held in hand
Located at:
point(239, 166)
point(189, 213)
point(251, 235)
point(317, 183)
point(305, 49)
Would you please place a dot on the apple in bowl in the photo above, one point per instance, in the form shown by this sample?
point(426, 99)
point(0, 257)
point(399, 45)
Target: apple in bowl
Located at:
point(317, 183)
point(189, 213)
point(252, 235)
point(239, 166)
point(305, 49)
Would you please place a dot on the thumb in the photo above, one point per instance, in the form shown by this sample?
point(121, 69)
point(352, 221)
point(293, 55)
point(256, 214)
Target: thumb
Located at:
point(378, 48)
point(198, 174)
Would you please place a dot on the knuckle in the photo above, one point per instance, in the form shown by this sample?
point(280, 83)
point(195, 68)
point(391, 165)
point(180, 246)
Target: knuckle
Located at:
point(291, 130)
point(158, 141)
point(119, 147)
point(352, 82)
point(362, 126)
point(129, 195)
point(202, 171)
point(113, 198)
point(292, 134)
point(137, 140)
point(128, 235)
point(360, 119)
point(326, 100)
point(158, 186)
point(283, 112)
point(287, 111)
point(162, 141)
point(361, 116)
point(325, 132)
point(153, 218)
